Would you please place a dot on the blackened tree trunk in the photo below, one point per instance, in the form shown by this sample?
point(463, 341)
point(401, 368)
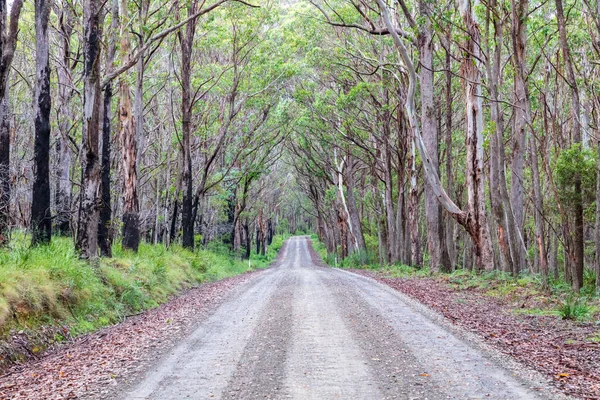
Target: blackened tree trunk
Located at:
point(258, 239)
point(104, 240)
point(104, 232)
point(8, 41)
point(173, 230)
point(87, 227)
point(131, 230)
point(270, 232)
point(41, 218)
point(186, 39)
point(248, 239)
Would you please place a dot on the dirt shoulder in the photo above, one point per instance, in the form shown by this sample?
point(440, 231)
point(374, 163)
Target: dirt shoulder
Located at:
point(566, 352)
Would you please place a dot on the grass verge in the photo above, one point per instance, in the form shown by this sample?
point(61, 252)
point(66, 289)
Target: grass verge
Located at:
point(48, 295)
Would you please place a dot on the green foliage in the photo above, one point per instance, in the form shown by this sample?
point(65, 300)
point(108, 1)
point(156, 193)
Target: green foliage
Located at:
point(575, 308)
point(589, 283)
point(572, 163)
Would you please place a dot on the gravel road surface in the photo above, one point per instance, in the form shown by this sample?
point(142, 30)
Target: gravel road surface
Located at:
point(301, 331)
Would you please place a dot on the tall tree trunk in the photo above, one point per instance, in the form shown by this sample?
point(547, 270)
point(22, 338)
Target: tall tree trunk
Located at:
point(352, 208)
point(594, 12)
point(388, 201)
point(131, 233)
point(87, 226)
point(41, 219)
point(597, 260)
point(65, 122)
point(186, 40)
point(413, 211)
point(104, 239)
point(451, 244)
point(131, 228)
point(578, 240)
point(523, 121)
point(500, 200)
point(104, 233)
point(474, 110)
point(9, 29)
point(4, 169)
point(433, 215)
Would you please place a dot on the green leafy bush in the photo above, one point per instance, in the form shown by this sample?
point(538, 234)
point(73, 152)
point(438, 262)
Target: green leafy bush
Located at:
point(575, 308)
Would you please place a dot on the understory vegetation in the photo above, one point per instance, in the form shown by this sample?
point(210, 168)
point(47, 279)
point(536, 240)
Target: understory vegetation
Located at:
point(49, 294)
point(528, 292)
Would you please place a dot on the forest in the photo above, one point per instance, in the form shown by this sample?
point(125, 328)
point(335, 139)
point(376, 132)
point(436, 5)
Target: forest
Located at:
point(447, 149)
point(438, 135)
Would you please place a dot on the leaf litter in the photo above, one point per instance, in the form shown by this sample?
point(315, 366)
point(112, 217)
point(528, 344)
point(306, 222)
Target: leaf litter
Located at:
point(562, 350)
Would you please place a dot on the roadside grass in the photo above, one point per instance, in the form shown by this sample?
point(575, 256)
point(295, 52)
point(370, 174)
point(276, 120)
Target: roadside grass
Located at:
point(525, 294)
point(48, 294)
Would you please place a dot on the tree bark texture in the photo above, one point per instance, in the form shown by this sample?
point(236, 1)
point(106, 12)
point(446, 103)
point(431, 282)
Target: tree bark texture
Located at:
point(9, 29)
point(89, 210)
point(41, 216)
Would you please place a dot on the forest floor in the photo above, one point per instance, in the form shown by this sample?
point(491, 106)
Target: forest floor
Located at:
point(518, 320)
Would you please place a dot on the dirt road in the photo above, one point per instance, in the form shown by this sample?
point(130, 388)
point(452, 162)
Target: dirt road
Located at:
point(301, 331)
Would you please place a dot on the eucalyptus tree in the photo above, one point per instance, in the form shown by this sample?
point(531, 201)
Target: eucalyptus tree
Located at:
point(64, 115)
point(104, 234)
point(127, 140)
point(9, 29)
point(88, 219)
point(576, 244)
point(41, 220)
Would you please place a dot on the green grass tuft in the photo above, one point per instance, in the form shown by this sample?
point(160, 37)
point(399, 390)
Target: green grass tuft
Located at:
point(575, 308)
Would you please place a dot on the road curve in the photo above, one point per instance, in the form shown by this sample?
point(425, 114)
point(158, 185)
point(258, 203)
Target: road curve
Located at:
point(299, 331)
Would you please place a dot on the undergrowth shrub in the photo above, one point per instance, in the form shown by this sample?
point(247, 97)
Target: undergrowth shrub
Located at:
point(575, 308)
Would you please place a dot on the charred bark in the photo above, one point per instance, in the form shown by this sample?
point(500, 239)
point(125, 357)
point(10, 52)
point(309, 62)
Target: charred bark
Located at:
point(186, 41)
point(41, 218)
point(104, 240)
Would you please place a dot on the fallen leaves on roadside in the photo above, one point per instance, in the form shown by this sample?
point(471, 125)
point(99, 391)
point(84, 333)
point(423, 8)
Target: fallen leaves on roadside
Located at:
point(545, 343)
